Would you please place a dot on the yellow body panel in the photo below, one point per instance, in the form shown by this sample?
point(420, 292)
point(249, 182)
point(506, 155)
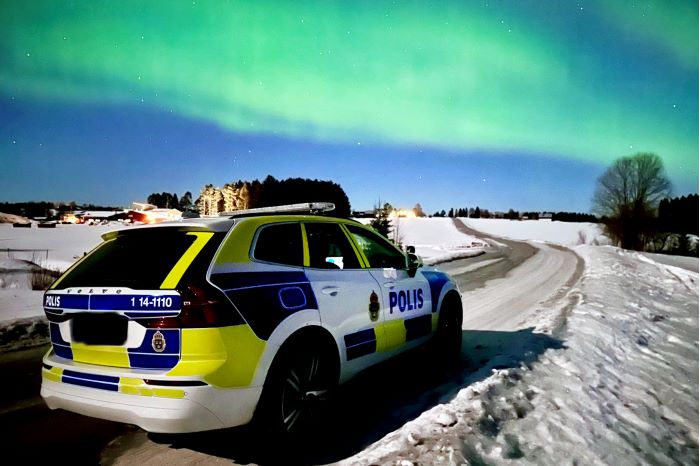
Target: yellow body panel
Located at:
point(143, 390)
point(53, 375)
point(223, 357)
point(116, 356)
point(180, 267)
point(435, 321)
point(390, 335)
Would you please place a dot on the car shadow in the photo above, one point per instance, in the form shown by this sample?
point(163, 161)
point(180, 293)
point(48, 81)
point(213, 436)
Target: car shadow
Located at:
point(378, 402)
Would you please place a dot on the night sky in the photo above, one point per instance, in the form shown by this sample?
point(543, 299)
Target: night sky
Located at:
point(500, 104)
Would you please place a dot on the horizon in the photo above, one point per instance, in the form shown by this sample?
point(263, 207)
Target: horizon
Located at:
point(488, 104)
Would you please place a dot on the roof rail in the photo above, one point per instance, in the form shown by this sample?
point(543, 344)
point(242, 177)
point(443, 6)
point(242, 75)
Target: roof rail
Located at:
point(312, 208)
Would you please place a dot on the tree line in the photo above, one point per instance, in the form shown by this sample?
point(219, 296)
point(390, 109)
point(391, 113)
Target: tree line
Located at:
point(271, 192)
point(478, 212)
point(171, 201)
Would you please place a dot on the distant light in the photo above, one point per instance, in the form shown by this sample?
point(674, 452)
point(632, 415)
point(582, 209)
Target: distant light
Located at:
point(402, 213)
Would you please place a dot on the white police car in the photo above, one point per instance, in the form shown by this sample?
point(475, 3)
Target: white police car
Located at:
point(204, 323)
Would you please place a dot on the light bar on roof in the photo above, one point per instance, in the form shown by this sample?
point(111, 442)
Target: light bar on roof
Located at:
point(306, 207)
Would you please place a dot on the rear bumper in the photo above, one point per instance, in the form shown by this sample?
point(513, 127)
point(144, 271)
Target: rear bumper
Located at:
point(150, 413)
point(153, 408)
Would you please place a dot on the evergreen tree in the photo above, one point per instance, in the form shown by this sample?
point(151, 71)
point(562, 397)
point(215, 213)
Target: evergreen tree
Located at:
point(186, 202)
point(381, 222)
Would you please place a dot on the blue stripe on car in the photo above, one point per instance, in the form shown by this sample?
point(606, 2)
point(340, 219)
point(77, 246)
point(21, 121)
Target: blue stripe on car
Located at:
point(437, 281)
point(418, 327)
point(265, 299)
point(102, 382)
point(145, 357)
point(360, 343)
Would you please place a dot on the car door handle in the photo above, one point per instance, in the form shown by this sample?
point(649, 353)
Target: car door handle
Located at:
point(389, 285)
point(330, 290)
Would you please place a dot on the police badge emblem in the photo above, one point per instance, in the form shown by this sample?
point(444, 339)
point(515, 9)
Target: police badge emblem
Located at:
point(373, 307)
point(158, 342)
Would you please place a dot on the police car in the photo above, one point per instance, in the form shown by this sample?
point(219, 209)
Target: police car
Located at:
point(209, 323)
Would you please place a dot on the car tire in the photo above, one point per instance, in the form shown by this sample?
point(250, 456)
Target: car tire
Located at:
point(296, 393)
point(448, 335)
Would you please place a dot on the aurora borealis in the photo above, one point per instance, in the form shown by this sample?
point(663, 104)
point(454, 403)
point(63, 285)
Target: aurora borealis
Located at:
point(523, 99)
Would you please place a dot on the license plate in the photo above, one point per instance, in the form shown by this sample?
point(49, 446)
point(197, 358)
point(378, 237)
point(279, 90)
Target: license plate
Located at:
point(99, 329)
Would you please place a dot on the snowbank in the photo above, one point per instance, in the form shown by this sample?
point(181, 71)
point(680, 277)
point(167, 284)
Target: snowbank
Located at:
point(11, 218)
point(565, 233)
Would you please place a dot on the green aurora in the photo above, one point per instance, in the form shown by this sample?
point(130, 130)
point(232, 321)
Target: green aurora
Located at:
point(589, 81)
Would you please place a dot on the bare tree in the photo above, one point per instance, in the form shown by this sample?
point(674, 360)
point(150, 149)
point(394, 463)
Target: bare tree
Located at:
point(627, 196)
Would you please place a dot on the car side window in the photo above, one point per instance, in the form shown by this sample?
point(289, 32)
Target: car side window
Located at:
point(329, 248)
point(280, 243)
point(378, 251)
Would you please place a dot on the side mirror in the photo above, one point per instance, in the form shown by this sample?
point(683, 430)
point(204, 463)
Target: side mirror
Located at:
point(414, 263)
point(411, 249)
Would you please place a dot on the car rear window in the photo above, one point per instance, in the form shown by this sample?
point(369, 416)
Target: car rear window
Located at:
point(139, 259)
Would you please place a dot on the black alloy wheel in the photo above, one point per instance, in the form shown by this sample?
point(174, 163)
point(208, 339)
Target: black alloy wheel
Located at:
point(296, 396)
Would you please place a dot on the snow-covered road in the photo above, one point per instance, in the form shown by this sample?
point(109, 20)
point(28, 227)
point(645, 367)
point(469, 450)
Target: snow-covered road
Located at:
point(509, 303)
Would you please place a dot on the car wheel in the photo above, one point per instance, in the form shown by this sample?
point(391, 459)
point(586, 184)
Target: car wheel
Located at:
point(296, 394)
point(448, 336)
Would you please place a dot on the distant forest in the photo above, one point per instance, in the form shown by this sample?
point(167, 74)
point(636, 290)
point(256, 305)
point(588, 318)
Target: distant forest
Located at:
point(272, 192)
point(478, 212)
point(679, 215)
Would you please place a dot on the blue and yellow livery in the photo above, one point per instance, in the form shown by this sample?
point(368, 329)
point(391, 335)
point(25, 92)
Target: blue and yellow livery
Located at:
point(210, 323)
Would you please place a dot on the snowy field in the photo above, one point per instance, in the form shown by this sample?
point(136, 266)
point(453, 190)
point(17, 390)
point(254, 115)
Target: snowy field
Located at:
point(435, 239)
point(25, 249)
point(565, 233)
point(53, 248)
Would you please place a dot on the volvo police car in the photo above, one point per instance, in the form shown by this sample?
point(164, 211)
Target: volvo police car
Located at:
point(213, 322)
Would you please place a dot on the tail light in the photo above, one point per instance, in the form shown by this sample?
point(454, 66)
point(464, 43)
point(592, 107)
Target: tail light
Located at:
point(202, 306)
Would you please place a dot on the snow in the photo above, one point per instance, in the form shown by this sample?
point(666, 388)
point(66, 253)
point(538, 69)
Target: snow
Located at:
point(688, 263)
point(52, 248)
point(11, 218)
point(436, 239)
point(23, 250)
point(524, 289)
point(565, 233)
